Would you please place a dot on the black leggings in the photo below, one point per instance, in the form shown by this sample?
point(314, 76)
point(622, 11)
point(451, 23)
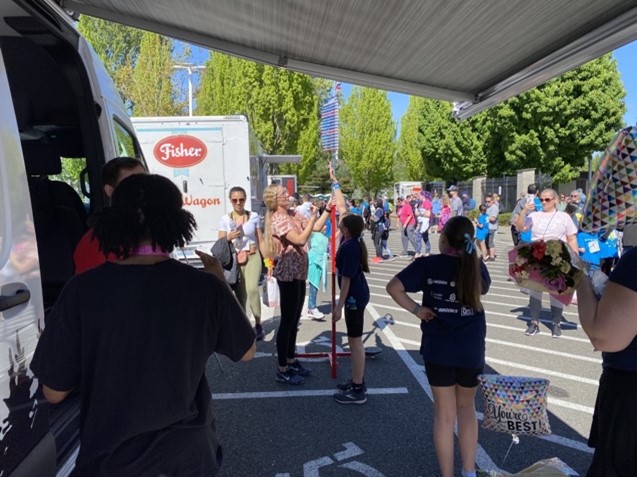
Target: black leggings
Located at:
point(292, 299)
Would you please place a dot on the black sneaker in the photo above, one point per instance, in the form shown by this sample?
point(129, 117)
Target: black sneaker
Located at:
point(351, 397)
point(532, 329)
point(556, 331)
point(289, 377)
point(298, 368)
point(258, 332)
point(349, 385)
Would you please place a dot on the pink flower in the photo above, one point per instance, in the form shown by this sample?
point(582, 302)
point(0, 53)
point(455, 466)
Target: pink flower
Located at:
point(558, 283)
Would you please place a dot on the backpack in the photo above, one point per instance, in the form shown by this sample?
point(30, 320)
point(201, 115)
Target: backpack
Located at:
point(471, 204)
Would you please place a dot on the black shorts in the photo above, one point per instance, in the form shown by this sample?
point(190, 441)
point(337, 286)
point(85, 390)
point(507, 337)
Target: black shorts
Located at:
point(354, 321)
point(445, 376)
point(614, 427)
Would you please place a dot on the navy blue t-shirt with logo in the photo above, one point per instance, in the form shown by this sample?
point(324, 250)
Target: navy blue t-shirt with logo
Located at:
point(348, 264)
point(456, 337)
point(624, 274)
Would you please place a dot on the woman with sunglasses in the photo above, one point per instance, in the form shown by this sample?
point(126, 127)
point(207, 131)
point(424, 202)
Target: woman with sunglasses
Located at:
point(243, 229)
point(546, 224)
point(286, 235)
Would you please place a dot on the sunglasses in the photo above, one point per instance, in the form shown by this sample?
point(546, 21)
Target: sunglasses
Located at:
point(238, 201)
point(546, 200)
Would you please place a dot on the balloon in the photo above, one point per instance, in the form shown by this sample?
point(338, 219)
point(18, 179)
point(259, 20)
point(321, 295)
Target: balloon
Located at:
point(612, 200)
point(514, 404)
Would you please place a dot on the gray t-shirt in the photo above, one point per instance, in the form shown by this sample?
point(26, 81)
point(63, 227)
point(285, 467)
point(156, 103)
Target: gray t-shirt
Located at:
point(456, 206)
point(492, 212)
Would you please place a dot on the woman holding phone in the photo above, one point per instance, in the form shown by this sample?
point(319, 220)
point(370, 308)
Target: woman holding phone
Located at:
point(243, 229)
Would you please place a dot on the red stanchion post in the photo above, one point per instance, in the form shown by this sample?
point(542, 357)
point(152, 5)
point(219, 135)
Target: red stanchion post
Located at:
point(333, 257)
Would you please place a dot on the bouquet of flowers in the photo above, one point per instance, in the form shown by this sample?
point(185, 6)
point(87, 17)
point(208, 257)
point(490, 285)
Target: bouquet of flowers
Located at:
point(547, 266)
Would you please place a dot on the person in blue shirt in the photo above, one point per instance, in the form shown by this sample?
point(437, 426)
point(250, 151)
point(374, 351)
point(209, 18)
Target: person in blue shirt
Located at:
point(355, 210)
point(351, 264)
point(436, 209)
point(611, 324)
point(366, 210)
point(454, 331)
point(482, 231)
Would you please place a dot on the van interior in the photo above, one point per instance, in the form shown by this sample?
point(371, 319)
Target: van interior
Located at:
point(49, 88)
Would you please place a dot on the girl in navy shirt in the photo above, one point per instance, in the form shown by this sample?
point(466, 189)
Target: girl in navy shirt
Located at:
point(453, 335)
point(351, 262)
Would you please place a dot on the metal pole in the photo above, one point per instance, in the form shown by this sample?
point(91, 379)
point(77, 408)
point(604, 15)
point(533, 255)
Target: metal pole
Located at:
point(590, 172)
point(189, 91)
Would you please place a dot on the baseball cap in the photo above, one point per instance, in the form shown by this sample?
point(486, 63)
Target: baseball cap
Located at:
point(452, 188)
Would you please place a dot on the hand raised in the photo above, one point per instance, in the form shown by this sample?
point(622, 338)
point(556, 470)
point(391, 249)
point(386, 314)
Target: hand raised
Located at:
point(211, 264)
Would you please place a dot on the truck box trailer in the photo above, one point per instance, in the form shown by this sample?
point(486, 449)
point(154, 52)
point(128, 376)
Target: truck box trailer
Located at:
point(205, 156)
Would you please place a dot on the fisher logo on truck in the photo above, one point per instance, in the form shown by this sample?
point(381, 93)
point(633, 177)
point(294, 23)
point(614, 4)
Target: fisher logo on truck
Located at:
point(180, 151)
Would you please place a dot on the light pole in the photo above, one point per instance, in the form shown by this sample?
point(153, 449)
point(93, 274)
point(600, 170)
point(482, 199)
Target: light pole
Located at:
point(190, 68)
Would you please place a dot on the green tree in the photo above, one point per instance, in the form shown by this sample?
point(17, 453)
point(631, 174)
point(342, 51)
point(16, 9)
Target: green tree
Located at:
point(281, 106)
point(556, 127)
point(450, 149)
point(118, 47)
point(409, 148)
point(151, 90)
point(367, 138)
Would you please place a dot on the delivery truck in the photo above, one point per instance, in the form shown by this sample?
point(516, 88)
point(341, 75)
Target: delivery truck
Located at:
point(205, 156)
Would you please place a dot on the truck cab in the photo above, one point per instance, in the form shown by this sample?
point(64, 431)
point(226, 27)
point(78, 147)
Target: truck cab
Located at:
point(60, 113)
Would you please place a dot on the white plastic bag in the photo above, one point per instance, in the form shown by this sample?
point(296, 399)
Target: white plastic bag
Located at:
point(270, 292)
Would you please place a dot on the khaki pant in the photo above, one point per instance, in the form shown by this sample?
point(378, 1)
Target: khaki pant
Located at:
point(248, 288)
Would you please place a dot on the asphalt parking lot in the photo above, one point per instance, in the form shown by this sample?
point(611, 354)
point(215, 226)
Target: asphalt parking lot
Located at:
point(272, 429)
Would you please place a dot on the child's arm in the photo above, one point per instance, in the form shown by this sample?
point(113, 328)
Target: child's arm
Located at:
point(338, 311)
point(337, 194)
point(396, 290)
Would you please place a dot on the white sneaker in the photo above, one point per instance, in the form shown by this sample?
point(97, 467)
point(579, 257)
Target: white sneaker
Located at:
point(314, 313)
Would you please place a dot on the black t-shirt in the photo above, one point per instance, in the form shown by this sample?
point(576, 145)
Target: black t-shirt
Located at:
point(348, 264)
point(135, 340)
point(624, 275)
point(456, 337)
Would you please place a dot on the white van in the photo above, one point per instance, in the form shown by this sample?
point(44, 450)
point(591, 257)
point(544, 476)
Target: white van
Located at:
point(57, 104)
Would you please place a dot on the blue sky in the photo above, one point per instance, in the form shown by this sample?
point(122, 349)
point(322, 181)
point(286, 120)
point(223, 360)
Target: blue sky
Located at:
point(626, 59)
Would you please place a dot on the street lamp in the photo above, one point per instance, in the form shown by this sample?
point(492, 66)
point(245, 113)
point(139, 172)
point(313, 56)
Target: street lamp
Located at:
point(190, 68)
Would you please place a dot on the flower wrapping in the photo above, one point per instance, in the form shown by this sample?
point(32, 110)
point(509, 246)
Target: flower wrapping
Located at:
point(547, 266)
point(612, 200)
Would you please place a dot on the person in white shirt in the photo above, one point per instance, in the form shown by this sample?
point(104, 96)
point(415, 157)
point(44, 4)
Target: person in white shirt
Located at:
point(243, 229)
point(305, 208)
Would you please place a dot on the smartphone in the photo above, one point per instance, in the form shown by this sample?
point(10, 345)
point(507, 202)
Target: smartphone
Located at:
point(240, 230)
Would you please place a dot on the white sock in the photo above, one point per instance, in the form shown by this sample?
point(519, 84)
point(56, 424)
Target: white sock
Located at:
point(471, 473)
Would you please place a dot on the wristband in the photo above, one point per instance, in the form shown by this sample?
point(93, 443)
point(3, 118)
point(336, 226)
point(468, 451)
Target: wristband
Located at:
point(329, 211)
point(336, 186)
point(416, 310)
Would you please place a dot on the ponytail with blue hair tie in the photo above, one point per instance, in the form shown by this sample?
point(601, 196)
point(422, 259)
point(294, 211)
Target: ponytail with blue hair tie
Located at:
point(469, 246)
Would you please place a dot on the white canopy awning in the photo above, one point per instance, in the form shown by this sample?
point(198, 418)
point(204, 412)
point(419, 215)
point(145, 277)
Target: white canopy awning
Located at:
point(474, 52)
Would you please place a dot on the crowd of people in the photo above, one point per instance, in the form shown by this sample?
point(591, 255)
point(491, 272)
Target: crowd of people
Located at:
point(169, 318)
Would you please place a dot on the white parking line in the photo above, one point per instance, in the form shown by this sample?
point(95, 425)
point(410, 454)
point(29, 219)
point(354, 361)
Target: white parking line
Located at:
point(490, 325)
point(542, 371)
point(552, 400)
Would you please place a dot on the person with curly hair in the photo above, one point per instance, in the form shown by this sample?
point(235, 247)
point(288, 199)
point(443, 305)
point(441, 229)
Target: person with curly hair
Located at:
point(133, 336)
point(286, 235)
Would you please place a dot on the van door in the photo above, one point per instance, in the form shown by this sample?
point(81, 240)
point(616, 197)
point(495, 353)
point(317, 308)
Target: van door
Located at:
point(23, 417)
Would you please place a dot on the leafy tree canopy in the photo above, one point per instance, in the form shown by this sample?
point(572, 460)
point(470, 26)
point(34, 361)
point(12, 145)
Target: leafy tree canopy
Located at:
point(367, 138)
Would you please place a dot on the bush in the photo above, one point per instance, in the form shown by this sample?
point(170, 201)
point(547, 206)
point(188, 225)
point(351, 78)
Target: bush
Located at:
point(504, 219)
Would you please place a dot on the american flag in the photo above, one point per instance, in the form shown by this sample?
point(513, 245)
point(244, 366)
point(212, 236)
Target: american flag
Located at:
point(329, 121)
